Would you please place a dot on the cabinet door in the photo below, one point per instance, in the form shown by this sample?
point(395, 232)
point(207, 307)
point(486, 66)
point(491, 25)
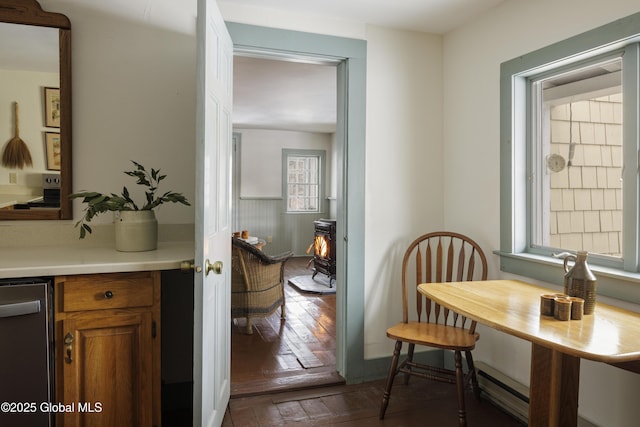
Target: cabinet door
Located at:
point(107, 365)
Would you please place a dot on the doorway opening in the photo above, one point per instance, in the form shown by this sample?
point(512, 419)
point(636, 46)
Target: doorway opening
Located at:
point(280, 105)
point(350, 57)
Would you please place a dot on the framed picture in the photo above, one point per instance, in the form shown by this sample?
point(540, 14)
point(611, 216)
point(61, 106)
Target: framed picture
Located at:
point(52, 148)
point(52, 107)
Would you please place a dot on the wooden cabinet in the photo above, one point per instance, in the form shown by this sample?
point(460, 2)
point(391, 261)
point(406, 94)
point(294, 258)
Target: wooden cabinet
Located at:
point(107, 343)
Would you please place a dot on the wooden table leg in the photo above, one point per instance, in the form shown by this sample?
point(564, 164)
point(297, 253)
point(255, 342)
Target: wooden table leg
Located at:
point(555, 379)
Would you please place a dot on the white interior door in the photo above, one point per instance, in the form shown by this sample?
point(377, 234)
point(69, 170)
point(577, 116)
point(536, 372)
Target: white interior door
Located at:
point(212, 286)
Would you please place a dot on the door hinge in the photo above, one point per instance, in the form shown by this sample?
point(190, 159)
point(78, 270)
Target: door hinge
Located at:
point(153, 329)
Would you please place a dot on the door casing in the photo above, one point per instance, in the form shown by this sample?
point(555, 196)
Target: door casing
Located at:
point(350, 57)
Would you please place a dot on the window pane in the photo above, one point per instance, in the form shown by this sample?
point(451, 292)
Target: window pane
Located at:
point(303, 183)
point(577, 192)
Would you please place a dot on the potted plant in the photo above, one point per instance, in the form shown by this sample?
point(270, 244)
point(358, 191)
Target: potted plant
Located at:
point(136, 227)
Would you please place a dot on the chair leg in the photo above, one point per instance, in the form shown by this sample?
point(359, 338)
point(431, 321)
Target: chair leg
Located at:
point(474, 378)
point(462, 412)
point(282, 312)
point(249, 326)
point(392, 374)
point(409, 359)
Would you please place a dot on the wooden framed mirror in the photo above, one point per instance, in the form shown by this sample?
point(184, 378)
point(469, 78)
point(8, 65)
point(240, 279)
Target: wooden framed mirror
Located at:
point(27, 36)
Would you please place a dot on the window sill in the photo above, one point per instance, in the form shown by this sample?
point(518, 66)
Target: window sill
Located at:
point(613, 283)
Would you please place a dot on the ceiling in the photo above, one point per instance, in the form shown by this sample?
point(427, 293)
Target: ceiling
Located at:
point(284, 95)
point(430, 16)
point(274, 94)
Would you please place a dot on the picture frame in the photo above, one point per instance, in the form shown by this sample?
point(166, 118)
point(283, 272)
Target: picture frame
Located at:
point(52, 107)
point(52, 150)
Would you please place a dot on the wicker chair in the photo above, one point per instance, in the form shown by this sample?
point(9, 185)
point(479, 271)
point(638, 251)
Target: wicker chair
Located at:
point(257, 282)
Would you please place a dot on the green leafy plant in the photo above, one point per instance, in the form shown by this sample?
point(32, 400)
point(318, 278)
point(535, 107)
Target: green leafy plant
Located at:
point(98, 203)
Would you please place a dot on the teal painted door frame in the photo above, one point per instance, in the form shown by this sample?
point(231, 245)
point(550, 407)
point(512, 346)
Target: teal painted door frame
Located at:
point(350, 57)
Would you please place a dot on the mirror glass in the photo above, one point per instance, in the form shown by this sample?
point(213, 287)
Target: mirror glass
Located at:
point(35, 137)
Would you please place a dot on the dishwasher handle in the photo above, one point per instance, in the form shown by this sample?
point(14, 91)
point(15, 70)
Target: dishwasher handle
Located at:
point(20, 308)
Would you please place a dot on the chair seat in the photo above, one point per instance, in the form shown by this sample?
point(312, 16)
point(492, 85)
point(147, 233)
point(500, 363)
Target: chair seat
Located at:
point(434, 335)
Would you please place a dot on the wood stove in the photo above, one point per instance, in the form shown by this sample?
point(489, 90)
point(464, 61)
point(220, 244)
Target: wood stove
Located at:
point(324, 249)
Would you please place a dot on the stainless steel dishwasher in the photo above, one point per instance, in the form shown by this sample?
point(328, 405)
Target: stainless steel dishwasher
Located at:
point(26, 353)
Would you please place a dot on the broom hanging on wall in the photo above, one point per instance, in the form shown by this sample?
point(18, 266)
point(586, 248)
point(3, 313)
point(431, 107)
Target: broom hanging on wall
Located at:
point(16, 153)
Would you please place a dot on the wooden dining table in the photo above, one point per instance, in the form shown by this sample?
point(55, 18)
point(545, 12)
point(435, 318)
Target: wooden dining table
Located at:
point(610, 335)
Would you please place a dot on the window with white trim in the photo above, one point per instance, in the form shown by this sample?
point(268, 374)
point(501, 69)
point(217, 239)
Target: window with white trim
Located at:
point(303, 180)
point(569, 153)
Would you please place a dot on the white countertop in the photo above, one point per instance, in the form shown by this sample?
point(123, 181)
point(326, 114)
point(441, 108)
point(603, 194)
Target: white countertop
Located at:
point(7, 200)
point(62, 260)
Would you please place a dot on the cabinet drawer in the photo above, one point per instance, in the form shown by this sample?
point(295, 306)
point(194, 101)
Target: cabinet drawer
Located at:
point(105, 291)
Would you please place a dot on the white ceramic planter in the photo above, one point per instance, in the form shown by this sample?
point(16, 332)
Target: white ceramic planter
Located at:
point(136, 231)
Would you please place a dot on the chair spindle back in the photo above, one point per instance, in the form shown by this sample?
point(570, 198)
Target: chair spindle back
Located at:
point(437, 258)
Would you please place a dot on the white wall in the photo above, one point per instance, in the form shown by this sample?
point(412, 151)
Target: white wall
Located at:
point(26, 88)
point(472, 57)
point(133, 96)
point(261, 206)
point(404, 169)
point(261, 158)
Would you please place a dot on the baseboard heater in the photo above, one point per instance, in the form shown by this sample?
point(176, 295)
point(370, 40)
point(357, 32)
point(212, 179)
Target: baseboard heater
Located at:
point(509, 394)
point(503, 391)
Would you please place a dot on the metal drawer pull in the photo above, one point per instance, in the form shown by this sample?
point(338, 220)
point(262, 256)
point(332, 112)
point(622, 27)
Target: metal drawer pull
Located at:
point(68, 345)
point(108, 295)
point(19, 308)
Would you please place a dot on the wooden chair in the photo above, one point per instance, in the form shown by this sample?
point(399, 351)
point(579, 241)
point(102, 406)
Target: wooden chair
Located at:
point(257, 282)
point(436, 258)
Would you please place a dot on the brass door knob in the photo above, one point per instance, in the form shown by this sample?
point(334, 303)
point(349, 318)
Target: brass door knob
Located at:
point(187, 266)
point(216, 267)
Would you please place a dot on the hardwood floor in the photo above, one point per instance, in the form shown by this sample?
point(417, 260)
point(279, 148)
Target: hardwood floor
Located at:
point(284, 375)
point(296, 353)
point(418, 404)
